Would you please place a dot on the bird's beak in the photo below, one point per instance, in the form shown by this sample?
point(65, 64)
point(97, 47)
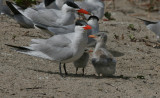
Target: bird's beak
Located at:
point(90, 51)
point(87, 27)
point(83, 11)
point(92, 36)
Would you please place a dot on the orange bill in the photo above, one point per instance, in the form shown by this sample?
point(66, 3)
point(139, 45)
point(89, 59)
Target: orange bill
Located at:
point(87, 27)
point(92, 36)
point(83, 11)
point(90, 50)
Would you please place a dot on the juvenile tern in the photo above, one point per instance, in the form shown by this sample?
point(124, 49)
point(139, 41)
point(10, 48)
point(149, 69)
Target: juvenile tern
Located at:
point(82, 61)
point(102, 60)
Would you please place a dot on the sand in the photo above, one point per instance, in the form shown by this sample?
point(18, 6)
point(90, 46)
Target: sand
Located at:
point(137, 73)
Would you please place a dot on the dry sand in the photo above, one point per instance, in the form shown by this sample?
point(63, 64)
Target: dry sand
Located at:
point(23, 76)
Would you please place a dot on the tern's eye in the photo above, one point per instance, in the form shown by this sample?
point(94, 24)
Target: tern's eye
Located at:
point(98, 35)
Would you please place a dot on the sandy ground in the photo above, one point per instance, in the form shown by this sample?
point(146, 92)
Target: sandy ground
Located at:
point(137, 73)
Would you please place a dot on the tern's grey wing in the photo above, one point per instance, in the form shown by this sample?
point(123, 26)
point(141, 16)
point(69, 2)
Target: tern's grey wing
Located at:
point(104, 57)
point(43, 16)
point(155, 28)
point(23, 21)
point(56, 48)
point(62, 29)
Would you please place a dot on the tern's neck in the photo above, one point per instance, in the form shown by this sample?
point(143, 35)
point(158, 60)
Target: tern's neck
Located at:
point(80, 40)
point(100, 45)
point(94, 24)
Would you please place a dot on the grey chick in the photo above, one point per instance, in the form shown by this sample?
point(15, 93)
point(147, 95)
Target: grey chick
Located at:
point(82, 61)
point(102, 60)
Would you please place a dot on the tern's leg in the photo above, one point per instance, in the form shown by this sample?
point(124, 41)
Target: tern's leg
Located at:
point(83, 71)
point(60, 71)
point(76, 70)
point(64, 66)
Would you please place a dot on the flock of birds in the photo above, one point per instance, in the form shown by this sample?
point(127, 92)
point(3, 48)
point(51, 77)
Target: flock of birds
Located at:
point(73, 32)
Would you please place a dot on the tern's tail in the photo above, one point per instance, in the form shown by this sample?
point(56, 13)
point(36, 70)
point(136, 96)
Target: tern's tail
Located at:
point(147, 22)
point(12, 8)
point(18, 48)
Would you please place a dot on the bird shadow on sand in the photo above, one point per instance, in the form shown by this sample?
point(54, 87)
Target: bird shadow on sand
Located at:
point(116, 53)
point(82, 76)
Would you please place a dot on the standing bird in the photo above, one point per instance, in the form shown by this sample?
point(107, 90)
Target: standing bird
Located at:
point(96, 7)
point(60, 48)
point(153, 26)
point(102, 60)
point(82, 61)
point(52, 17)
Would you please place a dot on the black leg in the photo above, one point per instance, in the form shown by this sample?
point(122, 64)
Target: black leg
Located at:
point(60, 71)
point(83, 71)
point(64, 66)
point(76, 70)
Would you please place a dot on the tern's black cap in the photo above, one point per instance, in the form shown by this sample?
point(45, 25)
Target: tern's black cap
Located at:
point(81, 23)
point(93, 17)
point(71, 4)
point(48, 2)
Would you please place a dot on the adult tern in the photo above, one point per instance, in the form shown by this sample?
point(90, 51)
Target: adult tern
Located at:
point(153, 26)
point(60, 48)
point(52, 17)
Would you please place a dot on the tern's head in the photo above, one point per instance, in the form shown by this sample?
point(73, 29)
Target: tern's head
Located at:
point(71, 6)
point(48, 2)
point(100, 37)
point(82, 26)
point(93, 20)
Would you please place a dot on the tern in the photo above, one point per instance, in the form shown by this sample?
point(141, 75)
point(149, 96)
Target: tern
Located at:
point(82, 61)
point(102, 60)
point(52, 17)
point(153, 26)
point(59, 48)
